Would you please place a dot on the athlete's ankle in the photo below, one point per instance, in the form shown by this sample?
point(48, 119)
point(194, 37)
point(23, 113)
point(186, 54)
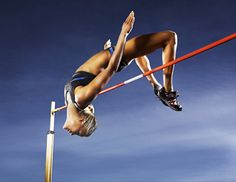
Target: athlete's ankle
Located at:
point(157, 86)
point(168, 89)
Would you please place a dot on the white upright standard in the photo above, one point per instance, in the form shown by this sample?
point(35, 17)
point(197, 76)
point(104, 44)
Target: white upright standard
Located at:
point(50, 145)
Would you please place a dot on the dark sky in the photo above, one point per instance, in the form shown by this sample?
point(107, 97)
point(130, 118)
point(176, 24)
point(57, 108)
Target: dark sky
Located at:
point(138, 139)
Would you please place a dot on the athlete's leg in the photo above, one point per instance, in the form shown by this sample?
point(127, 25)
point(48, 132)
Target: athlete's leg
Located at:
point(146, 44)
point(169, 54)
point(144, 65)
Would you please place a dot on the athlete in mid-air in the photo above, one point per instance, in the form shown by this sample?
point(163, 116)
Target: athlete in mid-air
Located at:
point(93, 75)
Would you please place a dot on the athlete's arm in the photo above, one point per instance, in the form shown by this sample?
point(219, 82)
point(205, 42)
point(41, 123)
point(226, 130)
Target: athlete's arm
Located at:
point(126, 29)
point(89, 92)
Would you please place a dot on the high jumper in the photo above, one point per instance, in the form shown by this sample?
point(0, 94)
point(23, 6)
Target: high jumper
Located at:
point(94, 74)
point(80, 113)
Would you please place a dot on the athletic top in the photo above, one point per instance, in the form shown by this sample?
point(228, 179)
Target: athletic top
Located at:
point(83, 78)
point(80, 78)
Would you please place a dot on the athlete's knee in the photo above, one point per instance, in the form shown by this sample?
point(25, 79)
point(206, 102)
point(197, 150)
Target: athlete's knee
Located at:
point(171, 36)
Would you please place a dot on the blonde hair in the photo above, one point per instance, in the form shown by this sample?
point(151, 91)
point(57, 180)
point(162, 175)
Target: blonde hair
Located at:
point(89, 122)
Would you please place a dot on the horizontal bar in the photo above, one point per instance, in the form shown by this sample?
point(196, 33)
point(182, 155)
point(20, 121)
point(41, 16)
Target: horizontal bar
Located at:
point(59, 108)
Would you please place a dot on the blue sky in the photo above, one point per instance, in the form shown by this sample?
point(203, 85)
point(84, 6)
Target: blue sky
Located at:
point(138, 139)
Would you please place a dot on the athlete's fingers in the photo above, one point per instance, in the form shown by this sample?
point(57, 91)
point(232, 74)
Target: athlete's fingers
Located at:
point(129, 17)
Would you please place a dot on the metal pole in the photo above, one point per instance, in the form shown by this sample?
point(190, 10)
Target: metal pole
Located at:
point(50, 145)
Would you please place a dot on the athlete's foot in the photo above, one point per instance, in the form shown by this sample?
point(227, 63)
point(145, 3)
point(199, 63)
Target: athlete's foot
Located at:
point(168, 98)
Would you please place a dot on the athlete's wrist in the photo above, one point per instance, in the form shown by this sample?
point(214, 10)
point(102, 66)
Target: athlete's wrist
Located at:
point(124, 34)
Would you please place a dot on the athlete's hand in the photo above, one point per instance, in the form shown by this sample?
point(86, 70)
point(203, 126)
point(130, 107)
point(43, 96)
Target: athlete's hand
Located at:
point(128, 24)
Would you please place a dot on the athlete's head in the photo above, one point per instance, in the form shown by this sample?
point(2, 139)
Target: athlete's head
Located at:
point(89, 123)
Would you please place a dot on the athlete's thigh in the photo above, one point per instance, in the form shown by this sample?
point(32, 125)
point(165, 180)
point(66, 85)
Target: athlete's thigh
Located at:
point(145, 44)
